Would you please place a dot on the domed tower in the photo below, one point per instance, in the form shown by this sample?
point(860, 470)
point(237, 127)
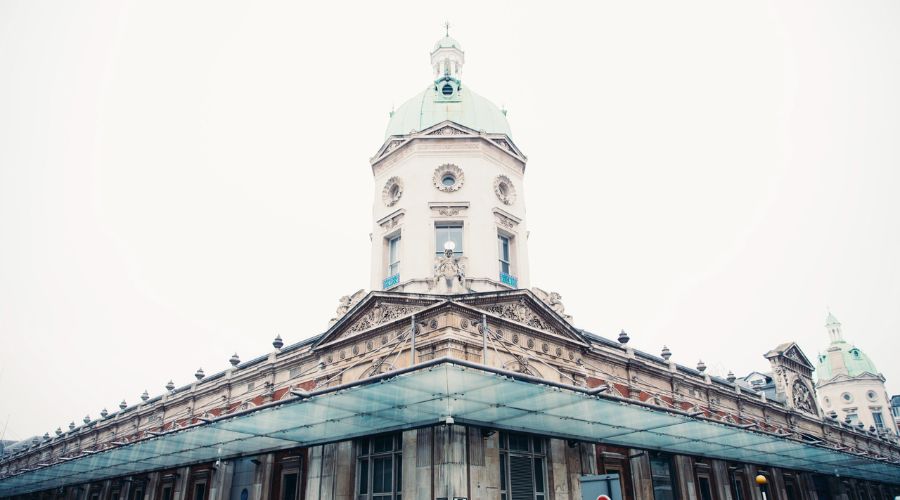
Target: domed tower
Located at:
point(449, 204)
point(849, 384)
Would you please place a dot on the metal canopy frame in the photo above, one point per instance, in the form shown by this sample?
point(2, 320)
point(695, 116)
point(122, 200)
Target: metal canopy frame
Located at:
point(426, 394)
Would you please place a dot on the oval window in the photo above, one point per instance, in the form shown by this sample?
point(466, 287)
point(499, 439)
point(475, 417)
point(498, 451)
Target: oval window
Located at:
point(448, 180)
point(447, 90)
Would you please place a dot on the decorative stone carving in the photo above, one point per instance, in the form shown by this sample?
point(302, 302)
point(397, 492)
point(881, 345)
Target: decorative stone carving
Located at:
point(520, 313)
point(447, 171)
point(504, 189)
point(803, 399)
point(554, 301)
point(393, 190)
point(346, 303)
point(449, 274)
point(382, 313)
point(391, 221)
point(448, 131)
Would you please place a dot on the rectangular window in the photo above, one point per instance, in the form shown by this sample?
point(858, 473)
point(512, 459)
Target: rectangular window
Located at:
point(200, 491)
point(393, 256)
point(137, 492)
point(503, 250)
point(448, 232)
point(704, 487)
point(522, 467)
point(661, 478)
point(379, 467)
point(879, 420)
point(290, 485)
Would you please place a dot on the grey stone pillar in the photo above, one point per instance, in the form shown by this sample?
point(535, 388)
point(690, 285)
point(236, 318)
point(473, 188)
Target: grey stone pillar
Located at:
point(424, 475)
point(641, 479)
point(684, 477)
point(451, 474)
point(720, 479)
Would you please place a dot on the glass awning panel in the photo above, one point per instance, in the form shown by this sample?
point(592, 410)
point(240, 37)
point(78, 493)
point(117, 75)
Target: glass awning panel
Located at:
point(427, 395)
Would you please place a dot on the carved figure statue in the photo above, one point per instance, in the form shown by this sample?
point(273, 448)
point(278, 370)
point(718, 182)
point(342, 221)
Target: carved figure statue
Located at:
point(346, 303)
point(449, 274)
point(554, 301)
point(803, 400)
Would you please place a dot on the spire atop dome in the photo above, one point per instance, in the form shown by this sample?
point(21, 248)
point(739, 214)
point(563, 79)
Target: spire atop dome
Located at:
point(447, 57)
point(834, 328)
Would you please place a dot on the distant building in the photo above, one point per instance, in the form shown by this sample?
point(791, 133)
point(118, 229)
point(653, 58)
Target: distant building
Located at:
point(895, 410)
point(849, 385)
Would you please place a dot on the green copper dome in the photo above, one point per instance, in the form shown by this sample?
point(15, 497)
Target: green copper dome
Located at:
point(841, 357)
point(459, 105)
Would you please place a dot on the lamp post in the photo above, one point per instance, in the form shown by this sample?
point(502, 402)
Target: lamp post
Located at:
point(762, 482)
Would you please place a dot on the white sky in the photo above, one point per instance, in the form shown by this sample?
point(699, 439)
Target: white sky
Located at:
point(183, 180)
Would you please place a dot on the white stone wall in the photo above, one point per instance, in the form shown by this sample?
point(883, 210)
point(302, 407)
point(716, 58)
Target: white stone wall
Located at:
point(475, 204)
point(831, 398)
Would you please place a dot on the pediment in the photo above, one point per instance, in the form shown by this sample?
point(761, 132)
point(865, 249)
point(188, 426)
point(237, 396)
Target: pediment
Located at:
point(443, 129)
point(523, 308)
point(374, 311)
point(793, 352)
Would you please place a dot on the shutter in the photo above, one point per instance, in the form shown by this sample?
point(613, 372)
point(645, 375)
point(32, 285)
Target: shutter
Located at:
point(521, 482)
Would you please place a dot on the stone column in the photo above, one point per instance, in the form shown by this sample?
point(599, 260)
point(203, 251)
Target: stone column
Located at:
point(720, 479)
point(313, 473)
point(152, 486)
point(484, 465)
point(220, 482)
point(684, 477)
point(409, 464)
point(182, 483)
point(262, 479)
point(451, 474)
point(424, 474)
point(557, 475)
point(641, 479)
point(345, 471)
point(776, 483)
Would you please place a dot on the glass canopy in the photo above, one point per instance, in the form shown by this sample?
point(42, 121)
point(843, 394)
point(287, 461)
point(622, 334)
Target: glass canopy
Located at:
point(471, 394)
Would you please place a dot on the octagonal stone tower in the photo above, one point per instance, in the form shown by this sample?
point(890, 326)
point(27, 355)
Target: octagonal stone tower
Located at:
point(449, 200)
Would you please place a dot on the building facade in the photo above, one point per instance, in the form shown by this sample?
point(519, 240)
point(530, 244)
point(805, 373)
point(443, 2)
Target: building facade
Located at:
point(849, 385)
point(453, 379)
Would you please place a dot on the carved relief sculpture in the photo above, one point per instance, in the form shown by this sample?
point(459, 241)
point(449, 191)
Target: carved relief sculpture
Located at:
point(554, 301)
point(346, 303)
point(449, 274)
point(393, 190)
point(504, 189)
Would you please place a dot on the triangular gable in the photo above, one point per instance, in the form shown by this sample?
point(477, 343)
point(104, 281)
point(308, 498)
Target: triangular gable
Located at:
point(447, 128)
point(375, 310)
point(524, 308)
point(792, 351)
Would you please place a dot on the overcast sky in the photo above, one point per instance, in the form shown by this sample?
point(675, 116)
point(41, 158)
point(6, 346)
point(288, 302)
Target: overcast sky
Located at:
point(180, 181)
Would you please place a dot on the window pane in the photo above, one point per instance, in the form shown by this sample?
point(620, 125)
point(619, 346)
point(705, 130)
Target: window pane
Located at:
point(167, 493)
point(381, 475)
point(199, 491)
point(703, 486)
point(539, 475)
point(289, 486)
point(363, 476)
point(448, 233)
point(518, 442)
point(662, 480)
point(383, 444)
point(503, 485)
point(399, 463)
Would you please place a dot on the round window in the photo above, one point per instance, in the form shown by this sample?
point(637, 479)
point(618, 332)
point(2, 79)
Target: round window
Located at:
point(872, 395)
point(447, 90)
point(847, 397)
point(448, 178)
point(827, 401)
